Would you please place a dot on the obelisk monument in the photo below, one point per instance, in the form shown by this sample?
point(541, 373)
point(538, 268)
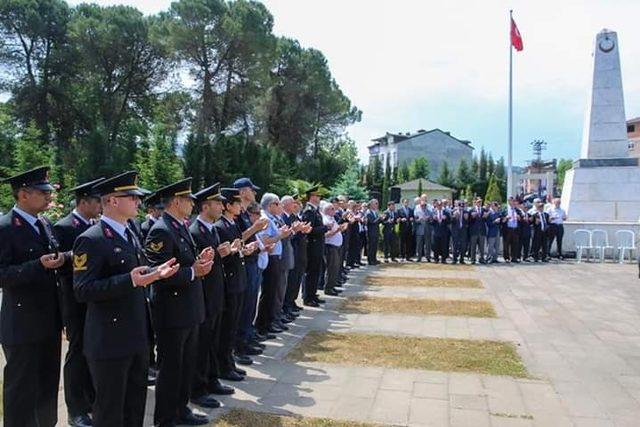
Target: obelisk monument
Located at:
point(604, 184)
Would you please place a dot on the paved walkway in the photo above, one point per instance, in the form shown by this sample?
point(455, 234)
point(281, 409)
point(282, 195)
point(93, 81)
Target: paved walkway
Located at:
point(576, 326)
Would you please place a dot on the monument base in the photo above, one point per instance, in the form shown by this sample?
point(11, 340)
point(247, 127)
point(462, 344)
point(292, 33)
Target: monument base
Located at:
point(602, 194)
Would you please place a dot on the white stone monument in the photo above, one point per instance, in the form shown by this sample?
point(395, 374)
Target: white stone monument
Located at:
point(603, 188)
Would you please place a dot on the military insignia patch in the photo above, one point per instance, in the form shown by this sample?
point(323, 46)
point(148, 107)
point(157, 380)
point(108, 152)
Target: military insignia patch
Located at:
point(80, 262)
point(75, 222)
point(17, 222)
point(156, 246)
point(175, 225)
point(107, 232)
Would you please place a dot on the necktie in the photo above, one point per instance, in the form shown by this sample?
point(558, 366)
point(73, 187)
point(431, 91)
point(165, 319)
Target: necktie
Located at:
point(542, 220)
point(130, 237)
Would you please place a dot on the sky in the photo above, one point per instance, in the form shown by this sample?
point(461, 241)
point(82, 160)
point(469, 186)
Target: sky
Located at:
point(424, 64)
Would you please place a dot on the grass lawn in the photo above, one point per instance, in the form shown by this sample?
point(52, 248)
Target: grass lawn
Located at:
point(428, 266)
point(431, 282)
point(437, 354)
point(244, 418)
point(419, 306)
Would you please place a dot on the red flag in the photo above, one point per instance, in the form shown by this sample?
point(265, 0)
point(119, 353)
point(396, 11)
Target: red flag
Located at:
point(516, 38)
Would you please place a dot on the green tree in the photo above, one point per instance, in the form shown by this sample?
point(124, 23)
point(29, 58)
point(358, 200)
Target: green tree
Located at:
point(446, 177)
point(404, 174)
point(386, 183)
point(348, 185)
point(420, 189)
point(419, 168)
point(493, 191)
point(563, 166)
point(501, 175)
point(464, 176)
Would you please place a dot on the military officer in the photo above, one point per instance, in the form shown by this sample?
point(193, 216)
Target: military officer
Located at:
point(178, 306)
point(78, 389)
point(315, 246)
point(154, 211)
point(30, 323)
point(235, 282)
point(205, 235)
point(109, 277)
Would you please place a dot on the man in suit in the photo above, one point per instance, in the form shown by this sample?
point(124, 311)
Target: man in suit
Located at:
point(389, 221)
point(440, 222)
point(235, 282)
point(459, 231)
point(315, 246)
point(178, 307)
point(30, 321)
point(405, 219)
point(154, 211)
point(205, 235)
point(78, 388)
point(541, 229)
point(511, 220)
point(422, 215)
point(109, 277)
point(477, 230)
point(373, 220)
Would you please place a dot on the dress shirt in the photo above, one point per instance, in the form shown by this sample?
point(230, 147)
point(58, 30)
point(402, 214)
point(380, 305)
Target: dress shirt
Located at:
point(272, 232)
point(336, 239)
point(556, 215)
point(28, 217)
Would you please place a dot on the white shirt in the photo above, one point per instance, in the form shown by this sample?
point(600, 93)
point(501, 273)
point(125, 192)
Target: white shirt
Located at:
point(206, 223)
point(80, 217)
point(513, 217)
point(336, 239)
point(556, 215)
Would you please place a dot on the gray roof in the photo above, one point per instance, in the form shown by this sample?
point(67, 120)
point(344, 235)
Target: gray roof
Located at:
point(426, 185)
point(399, 137)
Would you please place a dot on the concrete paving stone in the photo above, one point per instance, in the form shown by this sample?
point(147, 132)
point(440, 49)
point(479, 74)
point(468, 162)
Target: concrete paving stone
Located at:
point(430, 390)
point(476, 402)
point(352, 408)
point(429, 412)
point(465, 384)
point(361, 387)
point(592, 422)
point(498, 421)
point(579, 401)
point(468, 418)
point(391, 407)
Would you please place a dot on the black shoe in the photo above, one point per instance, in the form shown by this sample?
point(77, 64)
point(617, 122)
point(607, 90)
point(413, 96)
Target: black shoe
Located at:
point(255, 343)
point(231, 376)
point(281, 325)
point(243, 360)
point(296, 307)
point(249, 350)
point(274, 330)
point(218, 388)
point(192, 419)
point(80, 421)
point(319, 301)
point(311, 303)
point(206, 401)
point(331, 293)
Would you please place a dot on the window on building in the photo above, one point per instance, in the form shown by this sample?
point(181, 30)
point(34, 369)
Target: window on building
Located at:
point(631, 145)
point(631, 128)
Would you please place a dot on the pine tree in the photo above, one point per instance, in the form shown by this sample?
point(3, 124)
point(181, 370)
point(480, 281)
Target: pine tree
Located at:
point(386, 183)
point(405, 174)
point(446, 178)
point(464, 176)
point(483, 166)
point(420, 190)
point(156, 160)
point(348, 185)
point(501, 175)
point(419, 168)
point(493, 191)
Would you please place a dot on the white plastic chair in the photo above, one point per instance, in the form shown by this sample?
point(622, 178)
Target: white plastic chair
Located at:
point(582, 238)
point(600, 242)
point(625, 240)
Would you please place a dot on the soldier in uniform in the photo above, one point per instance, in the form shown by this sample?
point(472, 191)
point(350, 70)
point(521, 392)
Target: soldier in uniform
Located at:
point(109, 277)
point(178, 306)
point(30, 323)
point(78, 389)
point(315, 246)
point(205, 235)
point(235, 282)
point(154, 211)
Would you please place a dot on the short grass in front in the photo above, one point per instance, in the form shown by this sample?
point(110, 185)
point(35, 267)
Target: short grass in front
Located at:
point(430, 282)
point(436, 354)
point(427, 266)
point(418, 306)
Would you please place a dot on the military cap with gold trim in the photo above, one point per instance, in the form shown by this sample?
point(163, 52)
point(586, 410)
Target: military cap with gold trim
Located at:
point(37, 178)
point(87, 189)
point(210, 193)
point(126, 183)
point(313, 191)
point(153, 201)
point(177, 189)
point(231, 194)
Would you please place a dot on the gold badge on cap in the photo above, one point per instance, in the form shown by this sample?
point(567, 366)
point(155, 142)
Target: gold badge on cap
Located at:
point(80, 262)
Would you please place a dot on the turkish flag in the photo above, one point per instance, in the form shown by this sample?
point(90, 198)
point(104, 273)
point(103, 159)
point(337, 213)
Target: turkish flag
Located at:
point(516, 38)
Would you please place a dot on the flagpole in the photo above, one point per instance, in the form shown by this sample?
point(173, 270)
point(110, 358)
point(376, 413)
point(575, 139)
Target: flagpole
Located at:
point(510, 149)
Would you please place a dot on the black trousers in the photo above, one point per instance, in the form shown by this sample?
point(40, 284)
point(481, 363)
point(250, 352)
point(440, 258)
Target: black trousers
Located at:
point(355, 249)
point(510, 244)
point(30, 387)
point(406, 243)
point(388, 244)
point(207, 369)
point(459, 246)
point(177, 351)
point(229, 330)
point(78, 387)
point(332, 269)
point(556, 232)
point(121, 390)
point(271, 279)
point(540, 246)
point(525, 243)
point(440, 247)
point(315, 252)
point(372, 248)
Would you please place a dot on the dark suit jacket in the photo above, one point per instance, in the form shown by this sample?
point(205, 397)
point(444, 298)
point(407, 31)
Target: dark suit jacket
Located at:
point(177, 302)
point(536, 220)
point(116, 320)
point(315, 238)
point(478, 224)
point(146, 226)
point(440, 229)
point(389, 220)
point(30, 310)
point(406, 226)
point(66, 231)
point(212, 283)
point(460, 230)
point(235, 275)
point(373, 222)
